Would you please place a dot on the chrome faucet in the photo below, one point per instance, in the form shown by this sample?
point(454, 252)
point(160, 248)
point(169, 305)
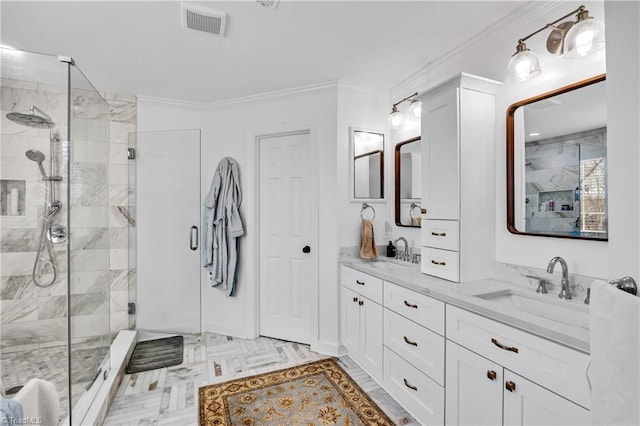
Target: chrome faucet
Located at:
point(565, 292)
point(402, 254)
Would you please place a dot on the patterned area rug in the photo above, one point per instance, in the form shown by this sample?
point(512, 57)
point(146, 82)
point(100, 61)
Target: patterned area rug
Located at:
point(319, 393)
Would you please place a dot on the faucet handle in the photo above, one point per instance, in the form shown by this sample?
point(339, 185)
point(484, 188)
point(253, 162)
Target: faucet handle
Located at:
point(542, 284)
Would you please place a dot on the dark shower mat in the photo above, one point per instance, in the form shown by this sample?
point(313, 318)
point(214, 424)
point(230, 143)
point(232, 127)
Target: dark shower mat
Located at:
point(154, 354)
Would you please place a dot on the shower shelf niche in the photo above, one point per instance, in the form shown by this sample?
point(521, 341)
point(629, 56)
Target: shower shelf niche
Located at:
point(12, 197)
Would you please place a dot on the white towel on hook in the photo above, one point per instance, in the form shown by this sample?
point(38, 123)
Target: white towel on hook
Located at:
point(614, 373)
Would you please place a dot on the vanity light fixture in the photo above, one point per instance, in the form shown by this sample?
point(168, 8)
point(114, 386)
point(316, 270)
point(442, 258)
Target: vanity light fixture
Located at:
point(397, 119)
point(573, 39)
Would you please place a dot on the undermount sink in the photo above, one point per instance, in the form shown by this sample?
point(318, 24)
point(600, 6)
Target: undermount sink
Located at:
point(547, 306)
point(389, 267)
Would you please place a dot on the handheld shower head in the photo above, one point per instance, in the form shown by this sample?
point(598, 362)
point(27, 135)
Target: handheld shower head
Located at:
point(42, 121)
point(38, 157)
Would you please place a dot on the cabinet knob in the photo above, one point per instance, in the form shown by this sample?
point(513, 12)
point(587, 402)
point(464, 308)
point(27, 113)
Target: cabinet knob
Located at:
point(361, 303)
point(491, 375)
point(355, 299)
point(510, 386)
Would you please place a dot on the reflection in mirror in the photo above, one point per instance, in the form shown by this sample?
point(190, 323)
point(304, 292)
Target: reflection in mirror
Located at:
point(557, 171)
point(368, 164)
point(408, 181)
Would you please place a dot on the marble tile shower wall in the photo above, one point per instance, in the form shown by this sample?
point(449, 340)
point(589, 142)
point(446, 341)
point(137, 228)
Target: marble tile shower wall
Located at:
point(553, 171)
point(36, 317)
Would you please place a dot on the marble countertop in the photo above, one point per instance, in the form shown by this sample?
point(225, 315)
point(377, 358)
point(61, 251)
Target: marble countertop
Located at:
point(463, 295)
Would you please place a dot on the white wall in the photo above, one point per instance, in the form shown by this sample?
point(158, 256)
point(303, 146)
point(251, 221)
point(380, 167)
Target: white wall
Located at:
point(230, 130)
point(488, 56)
point(365, 109)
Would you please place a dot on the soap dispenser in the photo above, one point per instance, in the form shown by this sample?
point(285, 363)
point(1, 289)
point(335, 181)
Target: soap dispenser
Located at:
point(391, 250)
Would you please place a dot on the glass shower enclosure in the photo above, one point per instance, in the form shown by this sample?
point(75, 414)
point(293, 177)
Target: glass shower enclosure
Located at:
point(54, 230)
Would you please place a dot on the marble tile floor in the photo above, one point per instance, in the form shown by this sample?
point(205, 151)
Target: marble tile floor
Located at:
point(169, 396)
point(17, 367)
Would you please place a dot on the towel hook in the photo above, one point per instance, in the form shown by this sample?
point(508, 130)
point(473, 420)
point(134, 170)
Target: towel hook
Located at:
point(412, 208)
point(367, 206)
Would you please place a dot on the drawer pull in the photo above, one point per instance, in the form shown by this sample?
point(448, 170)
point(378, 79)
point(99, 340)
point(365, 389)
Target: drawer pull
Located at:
point(359, 282)
point(492, 375)
point(439, 234)
point(510, 386)
point(410, 305)
point(409, 342)
point(410, 386)
point(506, 348)
point(355, 299)
point(439, 263)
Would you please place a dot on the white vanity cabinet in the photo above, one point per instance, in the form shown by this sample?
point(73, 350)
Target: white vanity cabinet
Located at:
point(362, 319)
point(458, 121)
point(414, 352)
point(500, 375)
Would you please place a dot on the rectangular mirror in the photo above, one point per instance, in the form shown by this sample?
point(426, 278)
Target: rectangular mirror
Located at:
point(557, 163)
point(367, 148)
point(408, 189)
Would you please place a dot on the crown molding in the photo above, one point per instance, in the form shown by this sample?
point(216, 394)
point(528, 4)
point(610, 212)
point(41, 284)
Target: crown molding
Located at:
point(510, 23)
point(316, 87)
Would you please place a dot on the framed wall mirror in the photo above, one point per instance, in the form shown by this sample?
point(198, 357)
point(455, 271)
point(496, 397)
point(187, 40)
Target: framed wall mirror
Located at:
point(367, 148)
point(557, 163)
point(408, 181)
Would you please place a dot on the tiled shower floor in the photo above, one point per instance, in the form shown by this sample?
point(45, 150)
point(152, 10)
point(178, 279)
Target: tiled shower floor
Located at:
point(18, 366)
point(169, 396)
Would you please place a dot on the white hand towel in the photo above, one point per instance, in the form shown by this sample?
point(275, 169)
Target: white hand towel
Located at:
point(614, 372)
point(40, 400)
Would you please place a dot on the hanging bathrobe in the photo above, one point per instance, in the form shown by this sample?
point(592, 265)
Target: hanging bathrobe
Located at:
point(222, 226)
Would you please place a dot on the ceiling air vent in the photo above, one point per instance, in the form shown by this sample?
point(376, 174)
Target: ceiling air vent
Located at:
point(208, 21)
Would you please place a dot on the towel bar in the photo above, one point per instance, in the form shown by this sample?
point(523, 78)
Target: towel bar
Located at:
point(367, 206)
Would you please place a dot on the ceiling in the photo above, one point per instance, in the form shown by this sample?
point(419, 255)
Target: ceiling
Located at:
point(140, 47)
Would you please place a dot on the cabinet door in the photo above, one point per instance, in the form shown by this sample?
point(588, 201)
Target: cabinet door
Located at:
point(440, 158)
point(350, 321)
point(371, 337)
point(530, 404)
point(473, 388)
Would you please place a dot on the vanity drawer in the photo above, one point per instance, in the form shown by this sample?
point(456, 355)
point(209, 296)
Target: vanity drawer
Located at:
point(417, 393)
point(442, 234)
point(424, 310)
point(553, 366)
point(422, 348)
point(365, 284)
point(441, 263)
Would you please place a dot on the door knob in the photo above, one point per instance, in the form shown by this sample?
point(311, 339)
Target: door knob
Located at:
point(306, 249)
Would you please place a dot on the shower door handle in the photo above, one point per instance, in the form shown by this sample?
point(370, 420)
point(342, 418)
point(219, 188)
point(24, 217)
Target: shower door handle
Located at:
point(193, 246)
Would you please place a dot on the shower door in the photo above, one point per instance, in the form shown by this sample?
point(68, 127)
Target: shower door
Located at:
point(168, 231)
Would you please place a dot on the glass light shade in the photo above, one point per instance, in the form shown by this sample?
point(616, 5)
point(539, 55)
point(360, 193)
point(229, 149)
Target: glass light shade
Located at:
point(523, 66)
point(415, 110)
point(584, 38)
point(396, 119)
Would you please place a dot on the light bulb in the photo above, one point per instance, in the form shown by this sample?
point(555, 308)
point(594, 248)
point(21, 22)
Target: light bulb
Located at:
point(523, 65)
point(396, 119)
point(415, 110)
point(584, 38)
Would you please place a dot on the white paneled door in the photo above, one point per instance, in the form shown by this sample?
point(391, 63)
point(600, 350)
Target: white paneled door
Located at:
point(168, 227)
point(288, 257)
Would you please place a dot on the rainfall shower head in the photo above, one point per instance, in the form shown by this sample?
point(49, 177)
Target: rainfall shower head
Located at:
point(38, 157)
point(42, 121)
